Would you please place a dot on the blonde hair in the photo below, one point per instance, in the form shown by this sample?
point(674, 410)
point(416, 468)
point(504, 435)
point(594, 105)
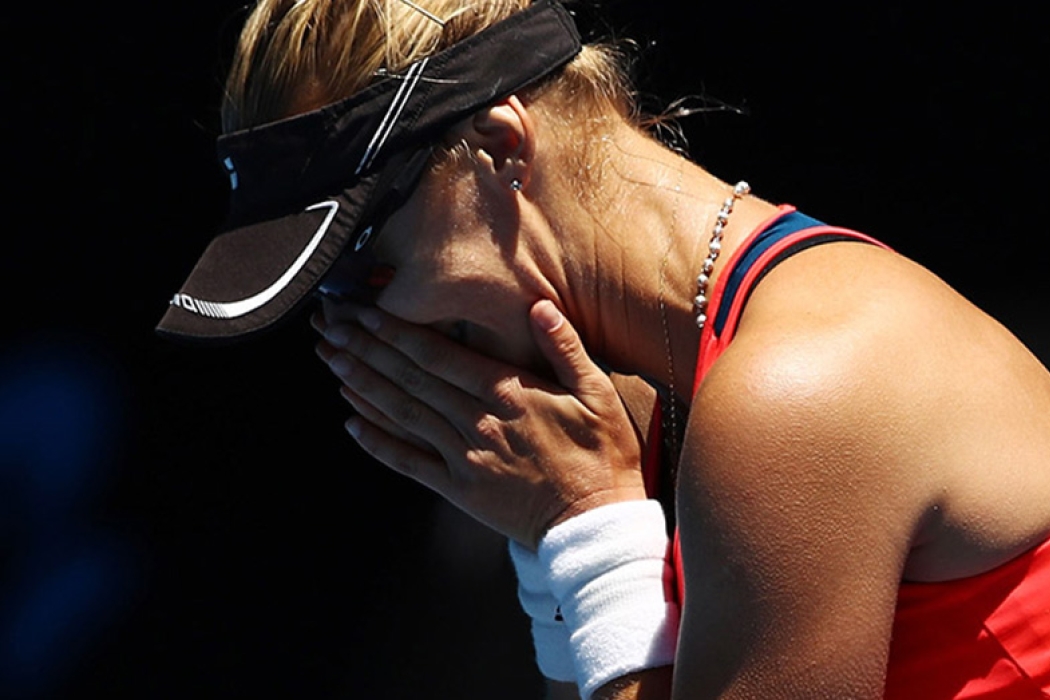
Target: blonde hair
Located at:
point(297, 55)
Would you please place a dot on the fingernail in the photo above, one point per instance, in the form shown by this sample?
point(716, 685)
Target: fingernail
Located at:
point(353, 426)
point(341, 365)
point(338, 335)
point(370, 319)
point(547, 316)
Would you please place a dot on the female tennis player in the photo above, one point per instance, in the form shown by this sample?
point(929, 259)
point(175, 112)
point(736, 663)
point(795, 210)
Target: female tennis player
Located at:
point(738, 452)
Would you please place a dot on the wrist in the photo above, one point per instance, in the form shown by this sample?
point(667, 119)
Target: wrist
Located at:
point(550, 634)
point(629, 492)
point(609, 571)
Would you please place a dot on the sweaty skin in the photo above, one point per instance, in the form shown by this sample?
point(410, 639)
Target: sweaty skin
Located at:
point(867, 424)
point(468, 427)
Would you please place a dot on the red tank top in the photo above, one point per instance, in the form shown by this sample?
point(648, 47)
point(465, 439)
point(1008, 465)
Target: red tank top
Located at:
point(986, 636)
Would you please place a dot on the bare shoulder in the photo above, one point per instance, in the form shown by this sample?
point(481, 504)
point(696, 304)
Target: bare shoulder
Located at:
point(859, 372)
point(809, 415)
point(822, 355)
point(794, 525)
point(805, 483)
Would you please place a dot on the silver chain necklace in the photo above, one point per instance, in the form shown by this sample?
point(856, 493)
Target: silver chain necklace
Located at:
point(700, 303)
point(670, 430)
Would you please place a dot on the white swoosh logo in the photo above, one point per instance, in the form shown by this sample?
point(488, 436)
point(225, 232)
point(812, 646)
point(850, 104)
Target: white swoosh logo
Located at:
point(234, 309)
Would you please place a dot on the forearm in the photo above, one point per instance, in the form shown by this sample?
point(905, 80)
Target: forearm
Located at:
point(651, 684)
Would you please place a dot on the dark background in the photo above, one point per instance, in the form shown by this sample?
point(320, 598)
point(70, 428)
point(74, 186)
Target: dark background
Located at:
point(177, 522)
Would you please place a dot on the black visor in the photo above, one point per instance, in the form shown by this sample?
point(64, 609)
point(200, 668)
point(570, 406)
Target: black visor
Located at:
point(309, 191)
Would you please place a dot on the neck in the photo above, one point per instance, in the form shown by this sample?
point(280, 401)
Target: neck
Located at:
point(634, 254)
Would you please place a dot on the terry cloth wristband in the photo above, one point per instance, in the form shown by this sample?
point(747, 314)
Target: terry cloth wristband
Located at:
point(608, 572)
point(550, 634)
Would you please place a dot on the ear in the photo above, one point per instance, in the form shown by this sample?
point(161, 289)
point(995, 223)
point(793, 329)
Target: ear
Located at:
point(503, 139)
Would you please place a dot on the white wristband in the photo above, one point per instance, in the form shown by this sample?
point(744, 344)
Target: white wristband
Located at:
point(550, 634)
point(608, 568)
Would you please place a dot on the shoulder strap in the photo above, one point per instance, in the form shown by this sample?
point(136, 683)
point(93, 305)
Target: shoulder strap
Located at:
point(776, 240)
point(787, 234)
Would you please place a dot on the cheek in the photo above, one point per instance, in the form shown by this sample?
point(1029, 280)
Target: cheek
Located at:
point(457, 283)
point(458, 280)
point(490, 318)
point(513, 345)
point(480, 304)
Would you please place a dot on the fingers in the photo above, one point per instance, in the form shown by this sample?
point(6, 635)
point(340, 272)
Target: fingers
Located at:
point(380, 437)
point(318, 321)
point(388, 405)
point(371, 414)
point(403, 457)
point(435, 354)
point(403, 372)
point(561, 345)
point(332, 312)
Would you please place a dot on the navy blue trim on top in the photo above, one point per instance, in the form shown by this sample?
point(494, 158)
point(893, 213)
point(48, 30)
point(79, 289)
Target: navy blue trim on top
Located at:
point(778, 230)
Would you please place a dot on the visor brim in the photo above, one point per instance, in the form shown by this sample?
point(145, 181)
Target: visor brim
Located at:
point(282, 261)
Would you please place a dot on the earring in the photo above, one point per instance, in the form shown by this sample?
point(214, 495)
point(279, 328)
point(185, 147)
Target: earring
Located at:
point(516, 185)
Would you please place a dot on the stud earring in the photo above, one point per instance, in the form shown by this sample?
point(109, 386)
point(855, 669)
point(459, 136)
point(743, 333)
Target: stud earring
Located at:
point(516, 185)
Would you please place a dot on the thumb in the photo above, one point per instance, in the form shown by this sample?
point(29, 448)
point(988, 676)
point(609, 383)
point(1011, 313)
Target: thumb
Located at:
point(561, 345)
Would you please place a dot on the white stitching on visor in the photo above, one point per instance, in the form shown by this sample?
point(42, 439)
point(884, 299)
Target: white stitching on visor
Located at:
point(393, 113)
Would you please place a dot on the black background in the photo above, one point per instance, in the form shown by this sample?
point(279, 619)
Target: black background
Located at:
point(219, 535)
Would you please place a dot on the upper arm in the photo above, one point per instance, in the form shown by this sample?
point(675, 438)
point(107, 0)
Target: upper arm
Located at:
point(795, 520)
